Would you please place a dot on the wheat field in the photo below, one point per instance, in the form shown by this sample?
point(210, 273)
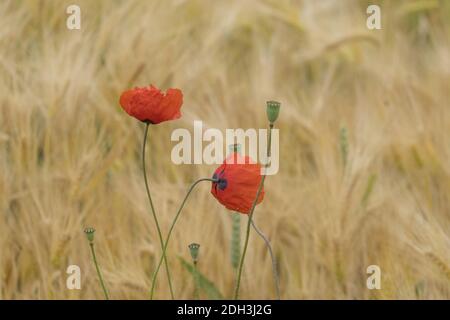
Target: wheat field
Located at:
point(364, 173)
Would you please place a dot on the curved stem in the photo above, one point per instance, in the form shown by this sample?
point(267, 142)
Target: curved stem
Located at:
point(250, 216)
point(91, 244)
point(155, 218)
point(247, 236)
point(171, 229)
point(276, 278)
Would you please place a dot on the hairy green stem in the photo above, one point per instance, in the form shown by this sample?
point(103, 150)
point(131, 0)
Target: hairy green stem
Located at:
point(250, 215)
point(276, 278)
point(91, 244)
point(155, 218)
point(155, 274)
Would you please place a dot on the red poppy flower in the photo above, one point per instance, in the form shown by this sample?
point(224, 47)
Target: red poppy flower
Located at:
point(239, 179)
point(149, 104)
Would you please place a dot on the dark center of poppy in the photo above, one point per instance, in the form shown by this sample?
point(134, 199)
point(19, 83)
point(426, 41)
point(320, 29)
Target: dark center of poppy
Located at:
point(221, 182)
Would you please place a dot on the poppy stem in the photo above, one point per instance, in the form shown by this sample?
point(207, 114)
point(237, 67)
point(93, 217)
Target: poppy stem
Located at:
point(191, 188)
point(100, 278)
point(155, 218)
point(276, 278)
point(250, 216)
point(197, 290)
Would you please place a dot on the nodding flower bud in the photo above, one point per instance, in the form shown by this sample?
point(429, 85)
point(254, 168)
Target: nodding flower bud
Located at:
point(90, 233)
point(193, 248)
point(273, 109)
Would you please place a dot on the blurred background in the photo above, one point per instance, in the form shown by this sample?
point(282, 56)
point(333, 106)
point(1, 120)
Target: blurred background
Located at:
point(364, 173)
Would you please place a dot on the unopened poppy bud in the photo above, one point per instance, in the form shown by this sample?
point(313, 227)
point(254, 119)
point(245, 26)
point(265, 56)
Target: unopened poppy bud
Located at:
point(90, 233)
point(193, 248)
point(273, 109)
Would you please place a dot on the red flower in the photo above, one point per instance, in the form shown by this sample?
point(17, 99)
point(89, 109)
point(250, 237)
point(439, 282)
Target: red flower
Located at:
point(239, 179)
point(149, 104)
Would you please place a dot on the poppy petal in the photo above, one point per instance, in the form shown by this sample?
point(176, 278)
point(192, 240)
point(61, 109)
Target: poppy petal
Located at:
point(171, 104)
point(242, 176)
point(126, 98)
point(150, 104)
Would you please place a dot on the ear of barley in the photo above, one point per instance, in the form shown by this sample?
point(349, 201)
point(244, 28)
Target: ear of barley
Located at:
point(235, 239)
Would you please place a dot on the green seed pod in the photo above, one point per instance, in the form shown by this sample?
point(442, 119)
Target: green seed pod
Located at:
point(194, 248)
point(90, 233)
point(273, 110)
point(236, 147)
